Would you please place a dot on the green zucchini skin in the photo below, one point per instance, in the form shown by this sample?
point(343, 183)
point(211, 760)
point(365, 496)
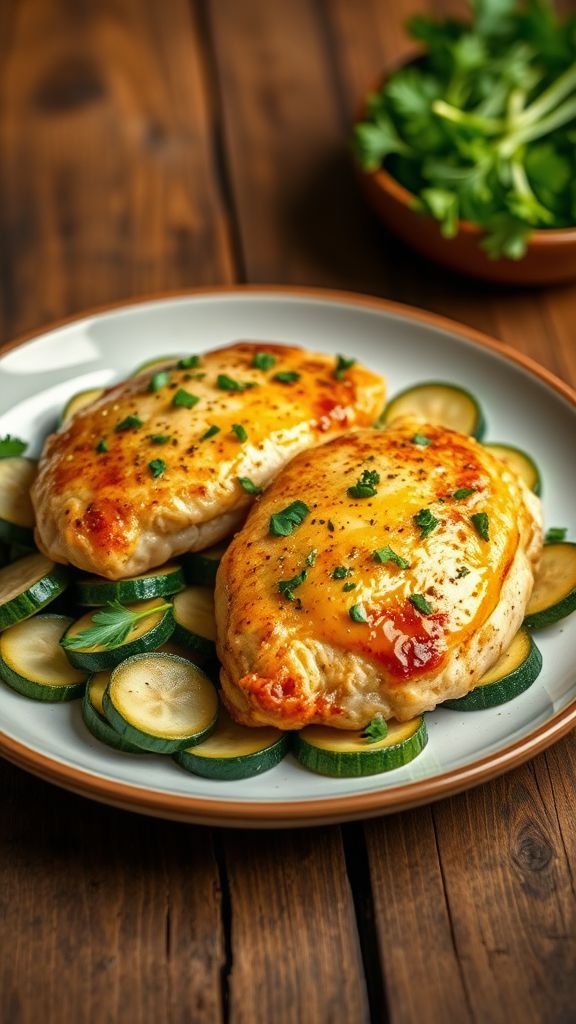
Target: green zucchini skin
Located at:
point(480, 422)
point(201, 570)
point(361, 763)
point(11, 533)
point(230, 768)
point(94, 594)
point(36, 596)
point(32, 688)
point(565, 605)
point(194, 642)
point(153, 744)
point(502, 690)
point(535, 484)
point(100, 661)
point(548, 616)
point(100, 727)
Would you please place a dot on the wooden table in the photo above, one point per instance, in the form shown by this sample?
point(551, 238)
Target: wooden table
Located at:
point(148, 145)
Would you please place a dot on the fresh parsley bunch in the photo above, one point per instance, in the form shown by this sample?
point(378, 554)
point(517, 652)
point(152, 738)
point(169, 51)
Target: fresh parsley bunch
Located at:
point(482, 127)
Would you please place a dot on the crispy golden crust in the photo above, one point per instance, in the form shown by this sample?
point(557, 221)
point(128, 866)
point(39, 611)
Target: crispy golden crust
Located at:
point(105, 511)
point(290, 663)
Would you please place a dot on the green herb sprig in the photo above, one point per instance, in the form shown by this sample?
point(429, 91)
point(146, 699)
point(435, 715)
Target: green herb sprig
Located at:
point(11, 446)
point(283, 523)
point(112, 625)
point(376, 730)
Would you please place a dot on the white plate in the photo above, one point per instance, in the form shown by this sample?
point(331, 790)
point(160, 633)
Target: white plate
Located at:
point(524, 406)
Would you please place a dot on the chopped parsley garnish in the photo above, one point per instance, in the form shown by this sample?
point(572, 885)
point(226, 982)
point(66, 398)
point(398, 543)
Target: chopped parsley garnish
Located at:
point(283, 523)
point(247, 484)
point(349, 586)
point(341, 572)
point(286, 377)
point(357, 613)
point(480, 522)
point(386, 554)
point(376, 730)
point(263, 361)
point(311, 557)
point(287, 587)
point(463, 492)
point(240, 432)
point(422, 440)
point(420, 602)
point(555, 535)
point(226, 383)
point(188, 363)
point(365, 486)
point(10, 446)
point(342, 364)
point(112, 625)
point(157, 467)
point(426, 522)
point(185, 399)
point(159, 438)
point(131, 422)
point(211, 432)
point(102, 447)
point(462, 571)
point(159, 380)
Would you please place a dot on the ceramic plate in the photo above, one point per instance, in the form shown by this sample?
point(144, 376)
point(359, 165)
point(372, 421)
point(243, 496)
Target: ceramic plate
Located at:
point(524, 406)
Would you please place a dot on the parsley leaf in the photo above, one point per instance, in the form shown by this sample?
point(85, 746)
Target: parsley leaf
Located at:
point(555, 535)
point(357, 613)
point(102, 446)
point(158, 380)
point(376, 730)
point(159, 438)
point(342, 364)
point(420, 602)
point(211, 432)
point(188, 363)
point(422, 440)
point(11, 446)
point(131, 422)
point(157, 467)
point(185, 399)
point(311, 557)
point(341, 572)
point(283, 523)
point(264, 361)
point(386, 554)
point(481, 524)
point(111, 627)
point(226, 383)
point(365, 486)
point(349, 586)
point(286, 376)
point(463, 492)
point(462, 571)
point(247, 484)
point(426, 522)
point(240, 432)
point(287, 587)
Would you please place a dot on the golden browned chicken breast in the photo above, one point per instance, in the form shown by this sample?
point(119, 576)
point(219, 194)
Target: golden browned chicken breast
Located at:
point(391, 569)
point(170, 460)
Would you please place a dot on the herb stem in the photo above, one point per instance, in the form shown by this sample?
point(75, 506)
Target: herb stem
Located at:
point(562, 115)
point(550, 98)
point(487, 125)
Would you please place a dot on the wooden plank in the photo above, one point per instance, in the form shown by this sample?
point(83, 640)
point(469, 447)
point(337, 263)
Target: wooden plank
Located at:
point(105, 916)
point(110, 184)
point(295, 952)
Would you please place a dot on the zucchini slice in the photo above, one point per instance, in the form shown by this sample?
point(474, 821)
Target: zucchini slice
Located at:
point(234, 751)
point(94, 718)
point(194, 617)
point(201, 566)
point(32, 661)
point(17, 474)
point(95, 590)
point(348, 754)
point(513, 673)
point(520, 463)
point(79, 401)
point(554, 594)
point(445, 405)
point(155, 364)
point(28, 585)
point(161, 703)
point(146, 635)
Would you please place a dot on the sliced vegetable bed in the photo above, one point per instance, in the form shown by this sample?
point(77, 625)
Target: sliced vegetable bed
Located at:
point(132, 655)
point(513, 673)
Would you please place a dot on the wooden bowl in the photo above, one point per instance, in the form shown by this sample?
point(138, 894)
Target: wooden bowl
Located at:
point(550, 256)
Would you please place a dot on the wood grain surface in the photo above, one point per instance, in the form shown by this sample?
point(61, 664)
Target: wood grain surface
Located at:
point(156, 144)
